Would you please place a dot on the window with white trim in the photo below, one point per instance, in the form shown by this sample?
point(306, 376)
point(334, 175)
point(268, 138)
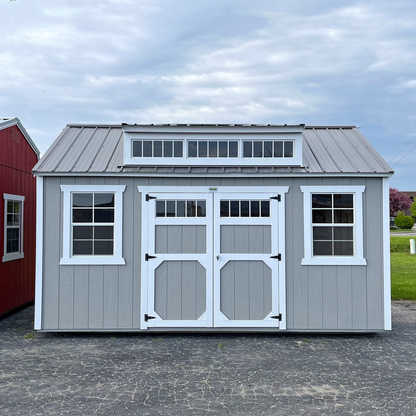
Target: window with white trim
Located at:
point(333, 225)
point(92, 221)
point(13, 227)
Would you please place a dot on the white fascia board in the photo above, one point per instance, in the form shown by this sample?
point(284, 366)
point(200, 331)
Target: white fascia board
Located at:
point(212, 129)
point(39, 254)
point(217, 189)
point(386, 255)
point(16, 122)
point(215, 175)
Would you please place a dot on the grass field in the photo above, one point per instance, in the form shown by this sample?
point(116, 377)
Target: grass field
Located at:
point(403, 269)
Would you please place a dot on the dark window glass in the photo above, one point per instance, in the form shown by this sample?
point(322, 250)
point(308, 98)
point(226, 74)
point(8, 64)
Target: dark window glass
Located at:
point(82, 233)
point(103, 247)
point(233, 149)
point(16, 208)
point(225, 208)
point(343, 233)
point(167, 149)
point(202, 149)
point(147, 149)
point(170, 208)
point(343, 248)
point(16, 219)
point(288, 149)
point(190, 209)
point(322, 248)
point(247, 149)
point(10, 218)
point(104, 200)
point(343, 201)
point(212, 149)
point(258, 149)
point(12, 246)
point(201, 208)
point(103, 232)
point(157, 149)
point(82, 247)
point(82, 215)
point(321, 200)
point(255, 209)
point(160, 208)
point(342, 216)
point(178, 150)
point(12, 233)
point(180, 212)
point(268, 149)
point(245, 208)
point(192, 148)
point(322, 233)
point(10, 207)
point(265, 208)
point(223, 149)
point(104, 215)
point(235, 208)
point(278, 149)
point(82, 200)
point(137, 148)
point(320, 216)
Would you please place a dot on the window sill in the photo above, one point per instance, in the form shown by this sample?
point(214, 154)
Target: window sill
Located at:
point(90, 261)
point(333, 261)
point(12, 256)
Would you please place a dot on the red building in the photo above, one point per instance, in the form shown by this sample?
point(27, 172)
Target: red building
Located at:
point(18, 155)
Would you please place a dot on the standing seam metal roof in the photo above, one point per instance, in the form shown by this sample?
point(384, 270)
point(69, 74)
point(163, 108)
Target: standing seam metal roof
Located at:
point(99, 149)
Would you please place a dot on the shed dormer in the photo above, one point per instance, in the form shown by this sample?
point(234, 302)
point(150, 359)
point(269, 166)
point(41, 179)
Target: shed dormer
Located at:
point(212, 145)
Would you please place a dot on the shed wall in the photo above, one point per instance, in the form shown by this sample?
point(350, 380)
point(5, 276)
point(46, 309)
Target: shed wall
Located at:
point(108, 297)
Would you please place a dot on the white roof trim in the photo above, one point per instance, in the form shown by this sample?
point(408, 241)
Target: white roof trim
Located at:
point(6, 122)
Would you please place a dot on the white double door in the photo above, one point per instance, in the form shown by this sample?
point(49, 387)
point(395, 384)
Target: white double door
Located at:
point(211, 259)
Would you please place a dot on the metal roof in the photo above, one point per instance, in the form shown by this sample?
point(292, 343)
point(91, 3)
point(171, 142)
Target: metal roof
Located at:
point(87, 148)
point(6, 122)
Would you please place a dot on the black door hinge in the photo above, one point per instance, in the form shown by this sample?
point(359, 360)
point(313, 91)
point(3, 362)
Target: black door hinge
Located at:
point(147, 257)
point(147, 317)
point(278, 257)
point(279, 317)
point(278, 197)
point(148, 197)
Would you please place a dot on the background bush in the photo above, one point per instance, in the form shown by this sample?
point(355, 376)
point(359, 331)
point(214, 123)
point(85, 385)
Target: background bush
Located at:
point(404, 222)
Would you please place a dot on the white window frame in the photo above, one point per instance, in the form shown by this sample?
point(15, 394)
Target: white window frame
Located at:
point(20, 254)
point(117, 258)
point(358, 258)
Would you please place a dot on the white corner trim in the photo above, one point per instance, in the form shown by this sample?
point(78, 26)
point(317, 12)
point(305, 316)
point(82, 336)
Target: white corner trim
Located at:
point(19, 255)
point(39, 253)
point(358, 259)
point(67, 258)
point(386, 254)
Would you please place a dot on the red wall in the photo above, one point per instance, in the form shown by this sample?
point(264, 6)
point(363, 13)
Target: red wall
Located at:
point(17, 277)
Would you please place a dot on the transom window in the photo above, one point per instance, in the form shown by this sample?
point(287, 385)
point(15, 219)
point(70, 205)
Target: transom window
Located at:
point(212, 148)
point(275, 149)
point(245, 208)
point(333, 225)
point(180, 208)
point(157, 148)
point(13, 227)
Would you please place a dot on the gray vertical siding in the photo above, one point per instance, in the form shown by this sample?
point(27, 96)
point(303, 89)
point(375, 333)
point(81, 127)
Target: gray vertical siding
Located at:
point(317, 297)
point(246, 290)
point(180, 290)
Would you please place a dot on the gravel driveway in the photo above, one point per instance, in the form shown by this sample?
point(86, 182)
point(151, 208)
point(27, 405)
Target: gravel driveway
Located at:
point(130, 374)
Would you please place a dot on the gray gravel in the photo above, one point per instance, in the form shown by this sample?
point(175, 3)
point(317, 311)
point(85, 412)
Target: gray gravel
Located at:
point(131, 374)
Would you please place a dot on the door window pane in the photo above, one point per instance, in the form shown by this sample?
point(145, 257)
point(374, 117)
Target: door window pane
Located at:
point(190, 209)
point(137, 148)
point(157, 149)
point(288, 149)
point(178, 150)
point(225, 208)
point(147, 149)
point(167, 149)
point(180, 208)
point(223, 149)
point(248, 149)
point(278, 149)
point(235, 208)
point(268, 149)
point(202, 149)
point(255, 209)
point(160, 208)
point(265, 208)
point(192, 149)
point(258, 149)
point(245, 208)
point(201, 208)
point(212, 149)
point(170, 208)
point(233, 149)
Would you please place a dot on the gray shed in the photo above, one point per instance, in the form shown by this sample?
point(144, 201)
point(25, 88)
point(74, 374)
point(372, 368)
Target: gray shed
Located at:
point(212, 227)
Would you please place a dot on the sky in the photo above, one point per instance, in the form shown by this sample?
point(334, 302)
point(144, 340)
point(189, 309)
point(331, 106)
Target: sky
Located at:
point(214, 61)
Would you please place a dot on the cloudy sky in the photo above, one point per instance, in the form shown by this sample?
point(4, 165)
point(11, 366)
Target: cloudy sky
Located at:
point(208, 61)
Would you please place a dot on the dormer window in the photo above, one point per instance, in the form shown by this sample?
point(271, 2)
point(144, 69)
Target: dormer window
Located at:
point(228, 145)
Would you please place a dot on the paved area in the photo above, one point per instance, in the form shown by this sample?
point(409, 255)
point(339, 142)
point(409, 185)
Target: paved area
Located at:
point(84, 374)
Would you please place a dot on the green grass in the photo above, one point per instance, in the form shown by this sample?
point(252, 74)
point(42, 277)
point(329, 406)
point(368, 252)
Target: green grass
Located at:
point(401, 230)
point(403, 269)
